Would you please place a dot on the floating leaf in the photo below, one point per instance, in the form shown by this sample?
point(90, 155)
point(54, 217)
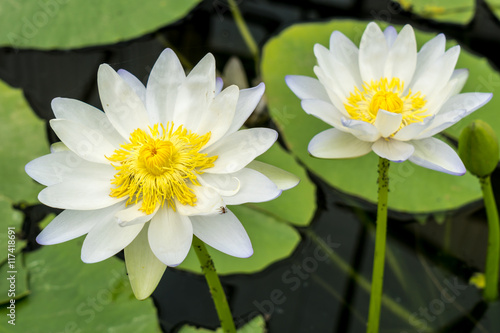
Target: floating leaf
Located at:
point(455, 11)
point(413, 188)
point(62, 24)
point(69, 296)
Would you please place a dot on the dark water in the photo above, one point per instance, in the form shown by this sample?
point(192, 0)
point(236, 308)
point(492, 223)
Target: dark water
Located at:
point(322, 286)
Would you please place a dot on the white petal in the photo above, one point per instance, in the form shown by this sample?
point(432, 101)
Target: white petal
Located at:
point(361, 129)
point(454, 109)
point(429, 53)
point(170, 236)
point(132, 215)
point(219, 84)
point(306, 87)
point(219, 115)
point(123, 107)
point(284, 180)
point(65, 166)
point(70, 224)
point(344, 50)
point(87, 115)
point(402, 57)
point(255, 187)
point(323, 110)
point(195, 94)
point(134, 83)
point(236, 150)
point(224, 184)
point(247, 101)
point(143, 268)
point(393, 150)
point(438, 73)
point(161, 92)
point(223, 232)
point(58, 147)
point(437, 98)
point(329, 83)
point(387, 122)
point(334, 143)
point(411, 131)
point(79, 194)
point(372, 53)
point(434, 154)
point(208, 201)
point(107, 238)
point(390, 34)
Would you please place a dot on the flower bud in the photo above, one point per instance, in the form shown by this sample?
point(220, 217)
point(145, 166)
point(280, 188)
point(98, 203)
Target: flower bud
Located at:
point(478, 148)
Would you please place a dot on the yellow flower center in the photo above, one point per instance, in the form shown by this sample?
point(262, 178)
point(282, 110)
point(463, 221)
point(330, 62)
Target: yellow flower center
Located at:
point(363, 104)
point(157, 167)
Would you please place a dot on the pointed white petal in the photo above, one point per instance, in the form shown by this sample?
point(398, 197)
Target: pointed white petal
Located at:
point(387, 122)
point(223, 232)
point(208, 201)
point(107, 238)
point(390, 34)
point(219, 115)
point(361, 129)
point(393, 150)
point(254, 187)
point(79, 194)
point(195, 94)
point(224, 184)
point(372, 53)
point(402, 57)
point(334, 143)
point(170, 236)
point(58, 147)
point(161, 92)
point(66, 166)
point(134, 83)
point(411, 131)
point(123, 107)
point(434, 154)
point(437, 98)
point(247, 101)
point(284, 180)
point(219, 84)
point(143, 268)
point(323, 110)
point(333, 96)
point(306, 87)
point(344, 50)
point(70, 224)
point(429, 53)
point(236, 150)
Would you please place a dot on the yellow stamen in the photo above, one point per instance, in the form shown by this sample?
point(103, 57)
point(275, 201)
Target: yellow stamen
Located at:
point(157, 167)
point(386, 95)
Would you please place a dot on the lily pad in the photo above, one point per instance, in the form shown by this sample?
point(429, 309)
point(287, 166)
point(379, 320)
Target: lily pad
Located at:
point(14, 279)
point(413, 189)
point(453, 11)
point(63, 24)
point(68, 296)
point(256, 325)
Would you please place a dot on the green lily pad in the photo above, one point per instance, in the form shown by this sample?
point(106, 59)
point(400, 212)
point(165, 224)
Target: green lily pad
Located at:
point(413, 188)
point(63, 24)
point(454, 11)
point(68, 296)
point(14, 279)
point(256, 325)
point(494, 6)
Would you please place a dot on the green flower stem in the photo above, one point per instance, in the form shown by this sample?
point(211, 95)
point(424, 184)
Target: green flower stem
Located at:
point(379, 257)
point(220, 301)
point(493, 255)
point(244, 31)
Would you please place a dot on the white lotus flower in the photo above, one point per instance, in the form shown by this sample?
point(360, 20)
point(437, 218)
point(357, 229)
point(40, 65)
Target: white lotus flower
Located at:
point(158, 166)
point(386, 97)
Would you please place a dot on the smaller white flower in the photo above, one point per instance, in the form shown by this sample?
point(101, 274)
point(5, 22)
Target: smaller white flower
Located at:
point(387, 98)
point(161, 164)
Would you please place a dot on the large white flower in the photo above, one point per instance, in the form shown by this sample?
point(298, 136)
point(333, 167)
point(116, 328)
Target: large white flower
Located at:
point(387, 98)
point(158, 166)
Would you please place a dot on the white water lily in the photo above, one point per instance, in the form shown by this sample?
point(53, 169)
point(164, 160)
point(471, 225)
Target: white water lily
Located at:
point(387, 98)
point(159, 165)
